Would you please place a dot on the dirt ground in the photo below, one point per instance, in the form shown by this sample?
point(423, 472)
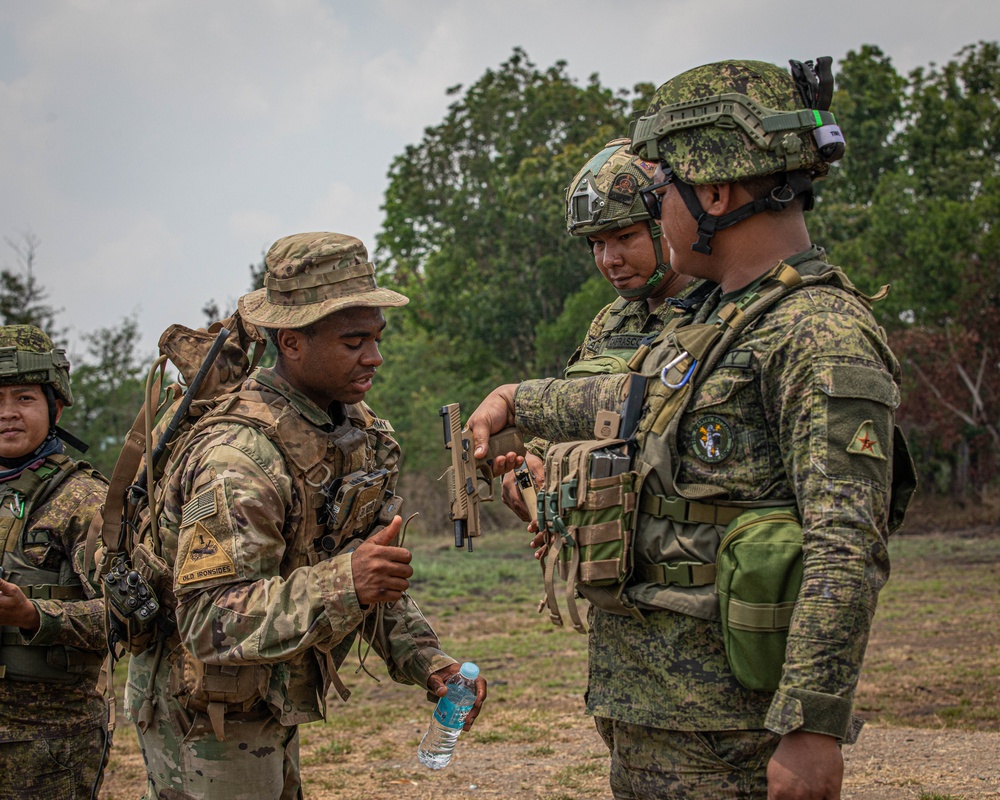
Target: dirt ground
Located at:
point(885, 764)
point(929, 691)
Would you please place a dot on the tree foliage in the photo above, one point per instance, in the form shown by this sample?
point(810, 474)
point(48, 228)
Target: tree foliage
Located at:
point(23, 299)
point(475, 235)
point(916, 204)
point(108, 389)
point(474, 217)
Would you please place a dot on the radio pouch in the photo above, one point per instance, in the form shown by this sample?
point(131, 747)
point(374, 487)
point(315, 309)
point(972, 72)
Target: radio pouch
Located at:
point(587, 512)
point(758, 576)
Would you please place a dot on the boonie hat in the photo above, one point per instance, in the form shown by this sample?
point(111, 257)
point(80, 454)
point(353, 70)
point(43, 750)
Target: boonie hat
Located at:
point(310, 276)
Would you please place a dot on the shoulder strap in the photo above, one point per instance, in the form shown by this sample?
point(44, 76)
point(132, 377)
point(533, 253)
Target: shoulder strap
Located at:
point(36, 486)
point(62, 467)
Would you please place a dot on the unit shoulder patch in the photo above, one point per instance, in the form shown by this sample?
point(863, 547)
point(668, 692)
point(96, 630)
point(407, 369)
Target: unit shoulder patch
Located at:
point(866, 442)
point(205, 558)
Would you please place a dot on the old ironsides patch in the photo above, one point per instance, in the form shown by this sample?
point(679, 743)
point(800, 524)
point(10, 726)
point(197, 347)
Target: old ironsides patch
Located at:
point(205, 558)
point(712, 439)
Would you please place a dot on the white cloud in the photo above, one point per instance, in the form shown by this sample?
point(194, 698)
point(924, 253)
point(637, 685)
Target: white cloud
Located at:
point(154, 148)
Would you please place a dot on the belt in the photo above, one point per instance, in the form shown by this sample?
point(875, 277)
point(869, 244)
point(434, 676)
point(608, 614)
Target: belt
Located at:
point(681, 510)
point(683, 573)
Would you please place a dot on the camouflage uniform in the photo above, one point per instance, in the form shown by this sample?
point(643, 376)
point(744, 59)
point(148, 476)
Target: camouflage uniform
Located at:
point(789, 422)
point(52, 719)
point(260, 600)
point(799, 411)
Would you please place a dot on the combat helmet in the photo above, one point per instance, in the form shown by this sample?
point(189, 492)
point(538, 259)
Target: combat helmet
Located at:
point(606, 195)
point(28, 356)
point(735, 120)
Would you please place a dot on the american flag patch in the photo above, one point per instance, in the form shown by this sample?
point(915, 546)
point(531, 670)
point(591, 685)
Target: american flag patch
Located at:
point(200, 506)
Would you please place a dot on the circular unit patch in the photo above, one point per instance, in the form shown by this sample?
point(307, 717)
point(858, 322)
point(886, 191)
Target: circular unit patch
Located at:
point(712, 439)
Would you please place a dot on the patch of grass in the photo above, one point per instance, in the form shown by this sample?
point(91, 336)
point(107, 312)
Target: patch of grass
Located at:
point(571, 777)
point(331, 749)
point(933, 658)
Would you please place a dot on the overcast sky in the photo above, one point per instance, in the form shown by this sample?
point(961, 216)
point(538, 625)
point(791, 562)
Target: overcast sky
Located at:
point(157, 147)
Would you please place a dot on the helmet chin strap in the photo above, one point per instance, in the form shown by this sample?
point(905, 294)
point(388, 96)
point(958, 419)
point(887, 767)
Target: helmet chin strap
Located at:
point(66, 436)
point(796, 183)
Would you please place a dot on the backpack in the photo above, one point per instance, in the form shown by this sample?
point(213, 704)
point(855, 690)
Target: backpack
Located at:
point(137, 582)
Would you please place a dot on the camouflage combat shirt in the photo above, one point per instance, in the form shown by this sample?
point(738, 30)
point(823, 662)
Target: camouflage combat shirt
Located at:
point(269, 605)
point(798, 412)
point(39, 710)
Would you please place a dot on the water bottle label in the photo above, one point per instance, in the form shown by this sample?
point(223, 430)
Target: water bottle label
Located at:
point(449, 714)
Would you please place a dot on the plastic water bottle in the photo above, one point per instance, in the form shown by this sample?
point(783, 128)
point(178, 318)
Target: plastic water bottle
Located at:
point(438, 744)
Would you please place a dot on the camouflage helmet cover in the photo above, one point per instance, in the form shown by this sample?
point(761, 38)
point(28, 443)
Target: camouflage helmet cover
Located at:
point(28, 356)
point(731, 120)
point(604, 195)
point(312, 275)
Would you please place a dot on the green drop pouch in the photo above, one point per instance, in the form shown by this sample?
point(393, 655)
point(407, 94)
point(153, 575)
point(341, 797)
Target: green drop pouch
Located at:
point(759, 573)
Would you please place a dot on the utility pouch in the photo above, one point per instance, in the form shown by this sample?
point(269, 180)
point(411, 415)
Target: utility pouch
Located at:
point(759, 573)
point(587, 512)
point(354, 502)
point(599, 365)
point(214, 689)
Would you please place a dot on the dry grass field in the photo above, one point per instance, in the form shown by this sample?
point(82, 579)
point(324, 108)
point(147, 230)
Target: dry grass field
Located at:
point(928, 691)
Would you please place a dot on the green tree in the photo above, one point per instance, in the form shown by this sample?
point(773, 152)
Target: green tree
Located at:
point(475, 235)
point(474, 223)
point(23, 300)
point(929, 217)
point(108, 389)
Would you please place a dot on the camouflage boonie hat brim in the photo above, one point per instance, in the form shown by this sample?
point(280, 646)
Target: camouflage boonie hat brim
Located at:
point(724, 153)
point(28, 356)
point(312, 275)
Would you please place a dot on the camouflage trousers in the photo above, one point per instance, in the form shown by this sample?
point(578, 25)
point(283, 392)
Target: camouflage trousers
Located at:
point(59, 768)
point(651, 763)
point(184, 761)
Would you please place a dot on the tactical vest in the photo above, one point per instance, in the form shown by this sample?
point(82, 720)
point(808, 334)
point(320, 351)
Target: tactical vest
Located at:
point(18, 499)
point(678, 527)
point(613, 349)
point(338, 496)
point(681, 524)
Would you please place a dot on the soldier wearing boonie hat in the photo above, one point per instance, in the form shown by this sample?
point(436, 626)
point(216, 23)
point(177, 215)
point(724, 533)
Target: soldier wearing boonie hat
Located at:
point(773, 405)
point(52, 718)
point(279, 561)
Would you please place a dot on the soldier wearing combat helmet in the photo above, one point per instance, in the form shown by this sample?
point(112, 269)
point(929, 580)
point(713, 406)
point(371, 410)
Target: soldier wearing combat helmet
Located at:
point(52, 719)
point(604, 204)
point(279, 522)
point(768, 416)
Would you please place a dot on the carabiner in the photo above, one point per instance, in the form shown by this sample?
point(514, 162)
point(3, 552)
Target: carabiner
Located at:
point(673, 363)
point(17, 505)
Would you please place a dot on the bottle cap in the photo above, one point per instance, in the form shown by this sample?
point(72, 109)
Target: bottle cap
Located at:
point(469, 670)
